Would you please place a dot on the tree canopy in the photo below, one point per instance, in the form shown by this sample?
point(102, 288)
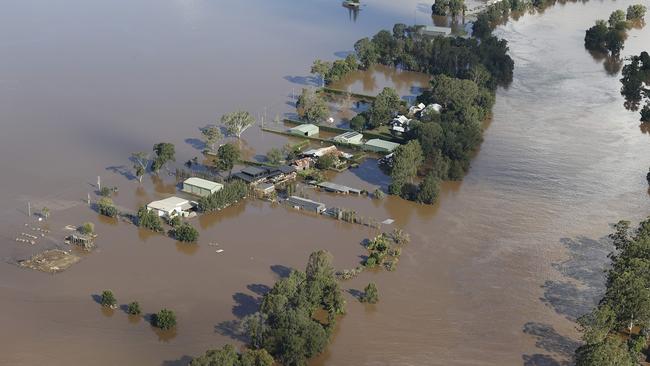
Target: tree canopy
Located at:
point(228, 155)
point(165, 152)
point(311, 106)
point(237, 122)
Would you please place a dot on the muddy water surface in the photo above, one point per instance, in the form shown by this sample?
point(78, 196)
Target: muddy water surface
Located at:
point(495, 271)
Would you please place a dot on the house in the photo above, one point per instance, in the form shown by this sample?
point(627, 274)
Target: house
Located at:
point(200, 187)
point(400, 124)
point(306, 129)
point(350, 137)
point(380, 146)
point(300, 203)
point(302, 164)
point(435, 31)
point(259, 174)
point(337, 188)
point(317, 153)
point(170, 207)
point(415, 109)
point(264, 189)
point(252, 174)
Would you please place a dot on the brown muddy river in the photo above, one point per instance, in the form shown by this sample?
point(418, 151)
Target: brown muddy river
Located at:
point(495, 272)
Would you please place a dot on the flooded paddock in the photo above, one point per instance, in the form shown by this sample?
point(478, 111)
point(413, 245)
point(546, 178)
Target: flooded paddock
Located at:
point(495, 272)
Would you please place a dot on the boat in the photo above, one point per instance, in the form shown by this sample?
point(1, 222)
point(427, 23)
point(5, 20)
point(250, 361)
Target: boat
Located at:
point(352, 3)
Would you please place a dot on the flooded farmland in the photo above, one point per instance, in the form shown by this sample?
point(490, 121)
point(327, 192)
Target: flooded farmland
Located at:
point(494, 274)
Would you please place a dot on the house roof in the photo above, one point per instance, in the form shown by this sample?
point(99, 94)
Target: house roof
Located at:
point(350, 135)
point(170, 204)
point(383, 144)
point(203, 183)
point(306, 127)
point(254, 171)
point(437, 29)
point(305, 203)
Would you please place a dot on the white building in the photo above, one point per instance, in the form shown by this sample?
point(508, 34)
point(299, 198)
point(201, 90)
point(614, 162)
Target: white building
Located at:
point(413, 110)
point(201, 187)
point(350, 137)
point(170, 207)
point(400, 124)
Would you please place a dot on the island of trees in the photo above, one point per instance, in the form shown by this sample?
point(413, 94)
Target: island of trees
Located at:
point(636, 84)
point(295, 319)
point(615, 332)
point(466, 73)
point(609, 36)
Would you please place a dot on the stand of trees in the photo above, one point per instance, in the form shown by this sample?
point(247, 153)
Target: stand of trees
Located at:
point(615, 333)
point(165, 152)
point(184, 232)
point(228, 356)
point(106, 207)
point(449, 7)
point(231, 193)
point(609, 36)
point(149, 220)
point(311, 106)
point(330, 72)
point(164, 319)
point(635, 74)
point(287, 325)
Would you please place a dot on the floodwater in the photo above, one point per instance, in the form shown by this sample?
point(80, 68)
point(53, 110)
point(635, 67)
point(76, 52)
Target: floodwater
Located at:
point(495, 272)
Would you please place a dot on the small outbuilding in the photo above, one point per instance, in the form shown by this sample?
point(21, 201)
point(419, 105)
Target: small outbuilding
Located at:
point(201, 187)
point(435, 31)
point(306, 129)
point(305, 204)
point(170, 207)
point(350, 137)
point(380, 146)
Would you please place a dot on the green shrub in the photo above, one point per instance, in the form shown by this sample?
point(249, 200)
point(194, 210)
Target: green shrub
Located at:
point(108, 299)
point(165, 319)
point(134, 308)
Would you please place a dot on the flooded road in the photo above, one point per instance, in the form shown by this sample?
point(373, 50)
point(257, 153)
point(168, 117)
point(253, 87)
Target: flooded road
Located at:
point(493, 276)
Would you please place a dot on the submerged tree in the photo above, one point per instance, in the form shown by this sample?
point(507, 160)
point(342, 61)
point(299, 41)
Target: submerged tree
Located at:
point(211, 135)
point(165, 319)
point(228, 155)
point(237, 122)
point(165, 152)
point(370, 294)
point(133, 308)
point(149, 219)
point(311, 106)
point(141, 161)
point(108, 299)
point(106, 207)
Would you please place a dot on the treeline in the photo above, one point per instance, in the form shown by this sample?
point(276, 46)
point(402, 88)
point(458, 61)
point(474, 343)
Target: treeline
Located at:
point(229, 194)
point(609, 36)
point(615, 332)
point(334, 71)
point(636, 84)
point(295, 320)
point(406, 48)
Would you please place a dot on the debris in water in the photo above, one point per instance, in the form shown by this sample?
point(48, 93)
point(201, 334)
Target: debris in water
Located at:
point(219, 250)
point(388, 221)
point(50, 261)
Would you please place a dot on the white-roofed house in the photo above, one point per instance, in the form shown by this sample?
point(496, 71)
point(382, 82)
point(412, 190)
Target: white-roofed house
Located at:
point(170, 207)
point(201, 187)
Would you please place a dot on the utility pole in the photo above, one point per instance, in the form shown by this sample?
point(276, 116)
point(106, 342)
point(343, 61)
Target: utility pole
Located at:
point(29, 209)
point(88, 199)
point(99, 183)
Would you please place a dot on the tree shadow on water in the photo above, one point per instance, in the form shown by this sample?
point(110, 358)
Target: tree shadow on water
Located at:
point(561, 348)
point(584, 274)
point(281, 271)
point(245, 304)
point(183, 361)
point(259, 288)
